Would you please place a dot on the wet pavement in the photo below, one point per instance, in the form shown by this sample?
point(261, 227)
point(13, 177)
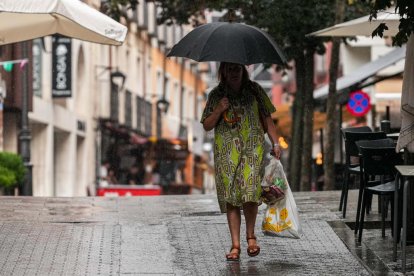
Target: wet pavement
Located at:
point(181, 235)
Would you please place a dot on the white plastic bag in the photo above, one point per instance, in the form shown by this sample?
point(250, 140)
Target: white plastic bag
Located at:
point(274, 183)
point(281, 218)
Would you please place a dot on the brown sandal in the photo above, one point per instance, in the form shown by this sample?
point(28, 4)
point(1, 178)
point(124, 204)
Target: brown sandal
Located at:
point(252, 250)
point(233, 256)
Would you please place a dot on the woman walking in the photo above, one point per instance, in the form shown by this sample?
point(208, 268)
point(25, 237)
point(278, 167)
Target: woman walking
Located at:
point(239, 110)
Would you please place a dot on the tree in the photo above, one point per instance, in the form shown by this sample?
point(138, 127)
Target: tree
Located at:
point(331, 121)
point(405, 9)
point(114, 8)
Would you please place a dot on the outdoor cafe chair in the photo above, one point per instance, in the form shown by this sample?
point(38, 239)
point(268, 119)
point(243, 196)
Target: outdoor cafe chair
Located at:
point(378, 158)
point(404, 179)
point(352, 167)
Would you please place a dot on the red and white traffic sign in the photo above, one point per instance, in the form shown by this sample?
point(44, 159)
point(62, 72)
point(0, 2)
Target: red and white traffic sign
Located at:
point(359, 103)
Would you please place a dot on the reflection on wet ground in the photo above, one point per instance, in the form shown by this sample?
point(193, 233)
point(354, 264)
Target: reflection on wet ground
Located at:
point(374, 251)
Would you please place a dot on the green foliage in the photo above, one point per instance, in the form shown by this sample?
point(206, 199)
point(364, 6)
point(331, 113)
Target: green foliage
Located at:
point(7, 178)
point(405, 9)
point(113, 8)
point(287, 21)
point(12, 170)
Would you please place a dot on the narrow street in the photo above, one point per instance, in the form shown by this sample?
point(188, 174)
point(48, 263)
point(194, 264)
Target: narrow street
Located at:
point(175, 235)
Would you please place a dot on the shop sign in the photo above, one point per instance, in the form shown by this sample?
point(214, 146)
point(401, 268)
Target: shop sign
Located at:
point(61, 66)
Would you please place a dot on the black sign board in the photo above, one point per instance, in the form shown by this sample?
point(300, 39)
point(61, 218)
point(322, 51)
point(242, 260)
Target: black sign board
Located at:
point(61, 66)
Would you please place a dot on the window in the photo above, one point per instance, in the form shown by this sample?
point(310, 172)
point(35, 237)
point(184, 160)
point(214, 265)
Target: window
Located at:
point(128, 108)
point(114, 102)
point(160, 82)
point(175, 100)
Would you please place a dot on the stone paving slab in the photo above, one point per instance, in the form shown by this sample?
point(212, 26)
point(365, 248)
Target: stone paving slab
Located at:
point(59, 249)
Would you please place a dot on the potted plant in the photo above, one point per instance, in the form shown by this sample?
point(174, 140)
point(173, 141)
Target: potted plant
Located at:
point(12, 172)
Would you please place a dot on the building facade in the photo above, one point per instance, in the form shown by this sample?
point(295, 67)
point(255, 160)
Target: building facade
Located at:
point(123, 105)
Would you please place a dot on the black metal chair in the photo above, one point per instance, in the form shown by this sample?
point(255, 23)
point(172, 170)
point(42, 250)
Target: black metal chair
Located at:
point(378, 158)
point(351, 135)
point(350, 167)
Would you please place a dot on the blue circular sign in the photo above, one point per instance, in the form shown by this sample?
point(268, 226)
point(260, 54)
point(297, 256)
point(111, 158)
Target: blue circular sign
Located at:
point(359, 103)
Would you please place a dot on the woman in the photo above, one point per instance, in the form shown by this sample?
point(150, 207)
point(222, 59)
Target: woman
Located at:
point(233, 110)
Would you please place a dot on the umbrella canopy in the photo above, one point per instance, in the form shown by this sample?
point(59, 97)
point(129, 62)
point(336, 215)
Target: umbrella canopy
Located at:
point(229, 42)
point(29, 19)
point(363, 26)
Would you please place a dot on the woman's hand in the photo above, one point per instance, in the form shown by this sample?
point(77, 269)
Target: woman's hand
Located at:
point(277, 151)
point(223, 105)
point(211, 121)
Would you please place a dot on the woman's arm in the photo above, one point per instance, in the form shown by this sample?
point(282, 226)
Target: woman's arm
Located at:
point(211, 121)
point(271, 132)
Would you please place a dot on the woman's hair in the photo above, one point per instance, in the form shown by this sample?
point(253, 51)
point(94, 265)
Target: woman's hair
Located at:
point(222, 68)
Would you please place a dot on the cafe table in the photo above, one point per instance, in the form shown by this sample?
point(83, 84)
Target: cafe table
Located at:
point(406, 175)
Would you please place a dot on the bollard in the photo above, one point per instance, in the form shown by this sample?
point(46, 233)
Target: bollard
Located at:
point(385, 126)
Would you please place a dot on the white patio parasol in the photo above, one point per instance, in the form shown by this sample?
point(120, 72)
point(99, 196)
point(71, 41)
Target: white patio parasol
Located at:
point(22, 20)
point(362, 26)
point(406, 138)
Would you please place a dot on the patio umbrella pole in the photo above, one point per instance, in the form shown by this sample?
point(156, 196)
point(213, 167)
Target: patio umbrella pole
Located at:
point(24, 134)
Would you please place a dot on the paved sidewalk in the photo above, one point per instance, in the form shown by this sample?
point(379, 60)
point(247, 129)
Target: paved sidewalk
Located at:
point(166, 235)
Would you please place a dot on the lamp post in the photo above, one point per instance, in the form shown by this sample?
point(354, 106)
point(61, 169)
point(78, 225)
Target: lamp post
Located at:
point(116, 77)
point(25, 133)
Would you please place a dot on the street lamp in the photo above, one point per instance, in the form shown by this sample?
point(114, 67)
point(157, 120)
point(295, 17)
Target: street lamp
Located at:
point(118, 75)
point(163, 105)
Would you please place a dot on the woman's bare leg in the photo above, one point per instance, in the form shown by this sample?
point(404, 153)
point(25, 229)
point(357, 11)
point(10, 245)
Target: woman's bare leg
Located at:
point(234, 221)
point(250, 210)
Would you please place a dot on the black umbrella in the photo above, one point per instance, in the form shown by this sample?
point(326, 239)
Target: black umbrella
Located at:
point(229, 42)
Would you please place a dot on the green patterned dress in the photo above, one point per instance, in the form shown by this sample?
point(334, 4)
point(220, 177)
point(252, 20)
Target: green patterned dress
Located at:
point(239, 147)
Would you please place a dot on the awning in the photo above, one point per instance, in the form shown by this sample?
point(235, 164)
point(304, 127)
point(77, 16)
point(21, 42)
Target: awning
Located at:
point(357, 79)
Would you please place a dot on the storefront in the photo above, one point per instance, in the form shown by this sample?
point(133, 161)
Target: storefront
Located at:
point(153, 162)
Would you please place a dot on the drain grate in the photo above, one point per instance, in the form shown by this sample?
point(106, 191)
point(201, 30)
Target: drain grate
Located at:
point(369, 224)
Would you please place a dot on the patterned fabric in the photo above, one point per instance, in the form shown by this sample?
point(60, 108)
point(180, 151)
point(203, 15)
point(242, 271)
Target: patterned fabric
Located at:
point(239, 147)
